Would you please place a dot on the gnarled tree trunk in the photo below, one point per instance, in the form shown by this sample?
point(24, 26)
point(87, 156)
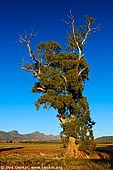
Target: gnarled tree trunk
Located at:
point(72, 150)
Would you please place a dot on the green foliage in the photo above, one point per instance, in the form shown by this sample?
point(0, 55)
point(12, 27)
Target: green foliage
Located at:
point(64, 93)
point(87, 146)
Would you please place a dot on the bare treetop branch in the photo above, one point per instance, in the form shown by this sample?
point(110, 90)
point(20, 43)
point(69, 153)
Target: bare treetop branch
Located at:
point(80, 34)
point(26, 39)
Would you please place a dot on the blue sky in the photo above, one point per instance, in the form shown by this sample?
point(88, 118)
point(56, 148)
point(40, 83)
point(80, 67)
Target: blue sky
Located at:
point(17, 110)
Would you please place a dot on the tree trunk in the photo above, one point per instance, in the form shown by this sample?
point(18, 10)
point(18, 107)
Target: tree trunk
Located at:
point(72, 150)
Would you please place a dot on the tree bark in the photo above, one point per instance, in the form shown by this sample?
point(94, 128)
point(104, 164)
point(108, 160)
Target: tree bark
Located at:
point(72, 150)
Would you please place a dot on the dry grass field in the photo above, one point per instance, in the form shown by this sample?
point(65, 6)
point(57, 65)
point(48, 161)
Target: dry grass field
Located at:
point(50, 156)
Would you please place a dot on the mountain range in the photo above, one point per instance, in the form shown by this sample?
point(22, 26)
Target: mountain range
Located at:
point(15, 135)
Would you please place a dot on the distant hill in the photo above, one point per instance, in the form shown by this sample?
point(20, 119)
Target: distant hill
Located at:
point(14, 135)
point(104, 140)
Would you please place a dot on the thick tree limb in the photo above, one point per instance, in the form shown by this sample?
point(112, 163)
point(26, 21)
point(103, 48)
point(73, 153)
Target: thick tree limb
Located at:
point(82, 71)
point(31, 70)
point(81, 57)
point(72, 117)
point(64, 77)
point(63, 120)
point(41, 89)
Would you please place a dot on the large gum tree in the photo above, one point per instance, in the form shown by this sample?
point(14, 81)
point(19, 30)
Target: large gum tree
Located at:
point(60, 79)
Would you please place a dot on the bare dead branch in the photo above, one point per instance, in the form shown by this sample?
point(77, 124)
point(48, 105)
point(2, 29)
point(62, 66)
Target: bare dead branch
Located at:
point(26, 39)
point(31, 70)
point(41, 89)
point(74, 31)
point(78, 36)
point(89, 22)
point(86, 34)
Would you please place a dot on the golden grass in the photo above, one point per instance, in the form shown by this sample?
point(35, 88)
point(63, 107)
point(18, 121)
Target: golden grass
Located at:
point(50, 156)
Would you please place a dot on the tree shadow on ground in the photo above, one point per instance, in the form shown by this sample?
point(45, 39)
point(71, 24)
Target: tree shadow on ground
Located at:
point(7, 149)
point(102, 151)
